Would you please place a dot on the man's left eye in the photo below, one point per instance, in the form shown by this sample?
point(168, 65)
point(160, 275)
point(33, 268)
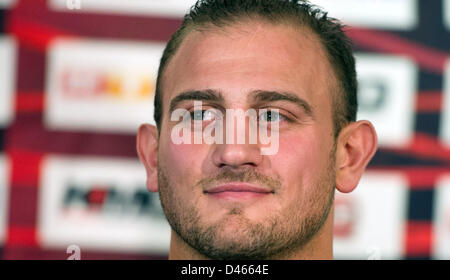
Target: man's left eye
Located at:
point(271, 116)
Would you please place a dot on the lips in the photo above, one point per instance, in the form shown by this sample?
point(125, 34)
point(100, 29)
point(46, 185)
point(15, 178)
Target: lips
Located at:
point(237, 191)
point(237, 187)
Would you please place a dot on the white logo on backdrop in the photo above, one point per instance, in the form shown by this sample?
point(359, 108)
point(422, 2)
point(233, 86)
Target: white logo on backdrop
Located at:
point(363, 229)
point(172, 8)
point(386, 14)
point(7, 79)
point(100, 204)
point(101, 85)
point(386, 96)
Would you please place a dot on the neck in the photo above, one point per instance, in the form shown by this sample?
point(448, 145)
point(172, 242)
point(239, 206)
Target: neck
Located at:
point(320, 247)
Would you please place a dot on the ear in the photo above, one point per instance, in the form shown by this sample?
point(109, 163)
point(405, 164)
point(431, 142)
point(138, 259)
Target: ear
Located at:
point(147, 149)
point(356, 145)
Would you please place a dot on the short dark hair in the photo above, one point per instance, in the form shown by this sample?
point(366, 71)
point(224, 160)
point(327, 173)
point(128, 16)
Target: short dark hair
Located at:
point(220, 13)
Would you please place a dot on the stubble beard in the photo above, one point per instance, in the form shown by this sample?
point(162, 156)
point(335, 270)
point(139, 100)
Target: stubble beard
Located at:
point(278, 236)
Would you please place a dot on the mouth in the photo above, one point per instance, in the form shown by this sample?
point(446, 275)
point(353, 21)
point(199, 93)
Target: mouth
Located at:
point(238, 191)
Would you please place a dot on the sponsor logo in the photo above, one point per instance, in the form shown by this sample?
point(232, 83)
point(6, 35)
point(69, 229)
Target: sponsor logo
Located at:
point(81, 200)
point(445, 120)
point(386, 14)
point(441, 230)
point(4, 170)
point(387, 92)
point(88, 84)
point(100, 204)
point(365, 230)
point(111, 83)
point(7, 79)
point(173, 8)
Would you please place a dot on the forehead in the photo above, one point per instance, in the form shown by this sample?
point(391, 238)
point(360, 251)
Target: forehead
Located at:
point(250, 55)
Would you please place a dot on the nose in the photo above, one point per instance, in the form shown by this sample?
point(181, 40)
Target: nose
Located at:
point(233, 152)
point(237, 155)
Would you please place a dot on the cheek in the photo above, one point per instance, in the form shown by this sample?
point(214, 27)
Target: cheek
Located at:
point(181, 160)
point(299, 161)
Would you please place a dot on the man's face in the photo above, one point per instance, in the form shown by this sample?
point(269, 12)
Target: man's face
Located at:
point(229, 200)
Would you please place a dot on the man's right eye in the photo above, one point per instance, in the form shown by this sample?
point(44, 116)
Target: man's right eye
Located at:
point(202, 115)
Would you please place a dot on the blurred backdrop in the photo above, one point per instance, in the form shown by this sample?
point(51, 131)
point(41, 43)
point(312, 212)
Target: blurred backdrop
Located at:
point(77, 77)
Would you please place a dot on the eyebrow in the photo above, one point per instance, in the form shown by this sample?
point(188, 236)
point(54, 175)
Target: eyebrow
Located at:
point(203, 95)
point(257, 96)
point(272, 96)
